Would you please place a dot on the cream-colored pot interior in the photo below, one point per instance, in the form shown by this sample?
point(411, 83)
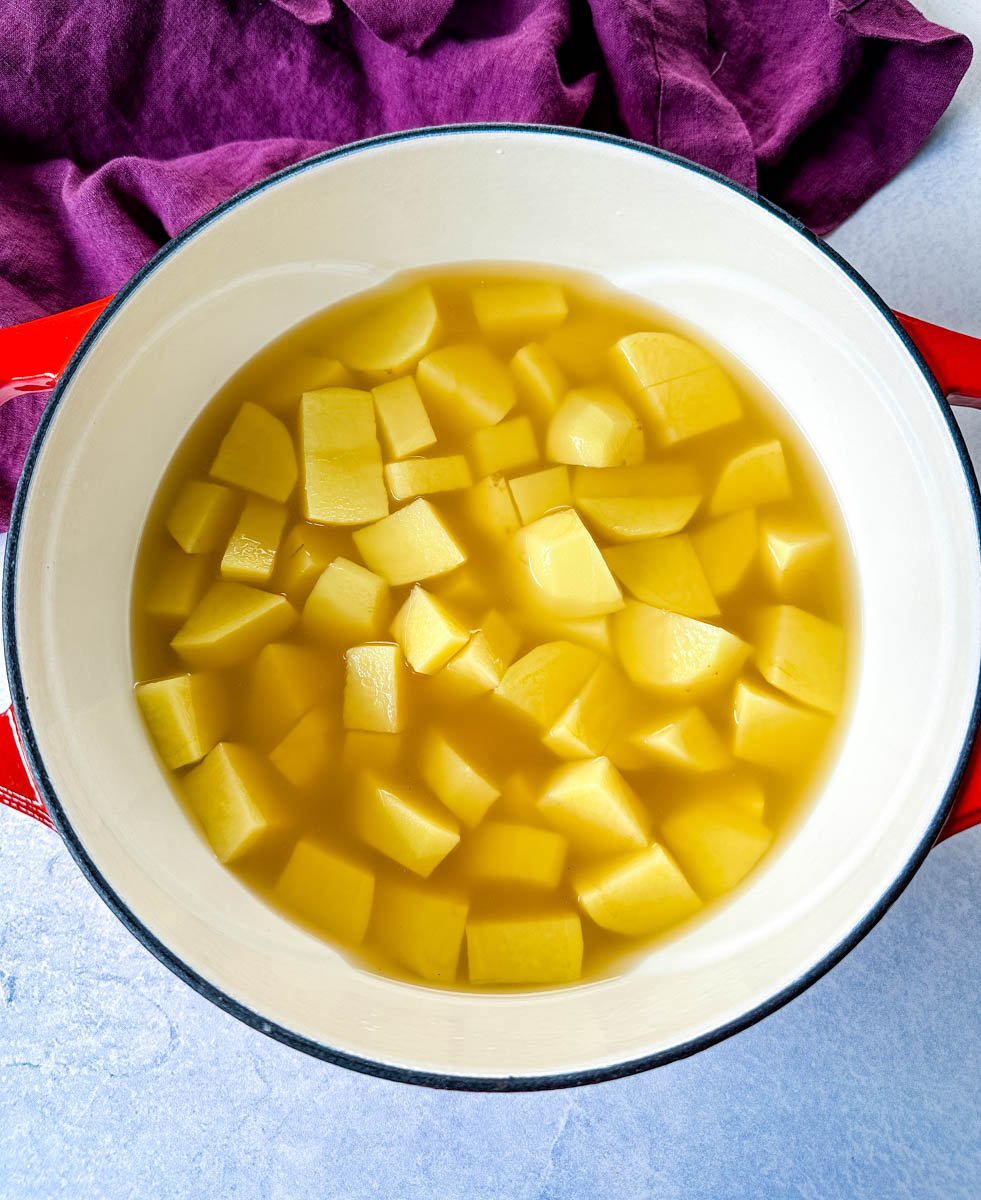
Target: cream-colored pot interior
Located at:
point(774, 299)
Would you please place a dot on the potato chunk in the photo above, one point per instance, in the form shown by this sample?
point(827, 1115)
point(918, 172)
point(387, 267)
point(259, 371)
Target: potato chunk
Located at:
point(305, 754)
point(177, 584)
point(329, 888)
point(756, 476)
point(202, 516)
point(726, 548)
point(633, 519)
point(594, 427)
point(466, 385)
point(543, 683)
point(410, 545)
point(541, 383)
point(565, 568)
point(638, 894)
point(588, 724)
point(348, 603)
point(802, 655)
point(528, 306)
point(525, 949)
point(236, 799)
point(773, 732)
point(503, 447)
point(251, 551)
point(645, 479)
point(536, 494)
point(464, 787)
point(307, 551)
point(428, 632)
point(392, 335)
point(405, 825)
point(793, 551)
point(186, 716)
point(420, 927)
point(285, 682)
point(686, 740)
point(665, 572)
point(230, 623)
point(427, 476)
point(257, 454)
point(402, 417)
point(716, 844)
point(671, 653)
point(504, 852)
point(592, 804)
point(374, 689)
point(479, 667)
point(490, 508)
point(342, 467)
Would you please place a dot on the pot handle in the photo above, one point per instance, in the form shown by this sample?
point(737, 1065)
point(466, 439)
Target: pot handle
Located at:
point(34, 354)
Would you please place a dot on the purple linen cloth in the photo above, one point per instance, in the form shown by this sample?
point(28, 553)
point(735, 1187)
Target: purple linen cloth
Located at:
point(121, 120)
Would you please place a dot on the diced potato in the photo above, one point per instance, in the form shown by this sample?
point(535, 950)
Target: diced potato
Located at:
point(756, 476)
point(466, 385)
point(420, 927)
point(525, 949)
point(307, 551)
point(773, 732)
point(726, 548)
point(426, 476)
point(285, 682)
point(536, 494)
point(348, 603)
point(231, 622)
point(633, 518)
point(590, 721)
point(593, 427)
point(490, 509)
point(342, 467)
point(638, 894)
point(236, 798)
point(405, 825)
point(543, 683)
point(251, 551)
point(257, 454)
point(328, 887)
point(428, 632)
point(177, 585)
point(526, 306)
point(402, 417)
point(374, 688)
point(305, 754)
point(186, 716)
point(479, 667)
point(667, 652)
point(519, 797)
point(687, 741)
point(410, 545)
point(541, 383)
point(717, 844)
point(591, 631)
point(503, 447)
point(680, 388)
point(665, 572)
point(581, 344)
point(465, 789)
point(802, 655)
point(202, 516)
point(793, 551)
point(504, 852)
point(371, 751)
point(565, 568)
point(392, 335)
point(461, 589)
point(593, 805)
point(660, 480)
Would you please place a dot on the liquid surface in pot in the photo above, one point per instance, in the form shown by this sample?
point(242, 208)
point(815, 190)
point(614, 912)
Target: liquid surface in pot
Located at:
point(492, 627)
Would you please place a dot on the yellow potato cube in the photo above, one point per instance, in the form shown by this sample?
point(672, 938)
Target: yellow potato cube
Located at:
point(479, 667)
point(543, 683)
point(285, 682)
point(428, 632)
point(371, 751)
point(773, 732)
point(402, 417)
point(177, 585)
point(420, 927)
point(594, 806)
point(503, 447)
point(257, 454)
point(404, 825)
point(536, 494)
point(646, 479)
point(667, 652)
point(593, 427)
point(565, 569)
point(466, 385)
point(426, 476)
point(525, 306)
point(638, 894)
point(504, 852)
point(392, 335)
point(756, 476)
point(591, 631)
point(185, 714)
point(664, 572)
point(802, 655)
point(589, 723)
point(582, 343)
point(307, 551)
point(726, 548)
point(541, 383)
point(348, 603)
point(793, 552)
point(490, 508)
point(461, 589)
point(686, 741)
point(202, 516)
point(374, 689)
point(236, 798)
point(251, 551)
point(305, 754)
point(329, 888)
point(410, 545)
point(342, 467)
point(230, 623)
point(634, 518)
point(465, 789)
point(526, 949)
point(717, 844)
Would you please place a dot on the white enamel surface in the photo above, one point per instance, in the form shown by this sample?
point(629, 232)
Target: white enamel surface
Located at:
point(717, 260)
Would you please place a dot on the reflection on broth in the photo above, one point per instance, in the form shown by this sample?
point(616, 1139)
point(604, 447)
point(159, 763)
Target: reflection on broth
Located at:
point(491, 627)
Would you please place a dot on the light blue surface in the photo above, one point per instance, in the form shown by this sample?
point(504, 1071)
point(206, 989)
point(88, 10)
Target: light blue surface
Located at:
point(116, 1080)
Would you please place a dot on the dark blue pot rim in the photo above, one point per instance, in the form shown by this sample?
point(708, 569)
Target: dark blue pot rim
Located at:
point(368, 1066)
